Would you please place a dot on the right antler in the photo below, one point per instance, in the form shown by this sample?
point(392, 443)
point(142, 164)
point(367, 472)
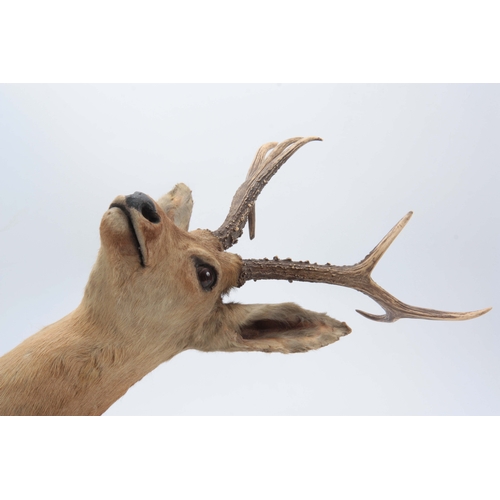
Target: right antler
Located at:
point(262, 169)
point(357, 276)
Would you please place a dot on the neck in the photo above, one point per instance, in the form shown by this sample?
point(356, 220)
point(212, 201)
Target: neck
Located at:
point(76, 366)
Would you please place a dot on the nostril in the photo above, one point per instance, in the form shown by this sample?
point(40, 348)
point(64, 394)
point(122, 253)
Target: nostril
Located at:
point(143, 204)
point(150, 214)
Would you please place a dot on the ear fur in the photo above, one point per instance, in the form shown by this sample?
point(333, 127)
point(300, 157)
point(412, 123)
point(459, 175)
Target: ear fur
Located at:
point(178, 205)
point(284, 328)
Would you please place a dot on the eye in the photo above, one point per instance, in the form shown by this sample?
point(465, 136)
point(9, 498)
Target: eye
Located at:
point(207, 275)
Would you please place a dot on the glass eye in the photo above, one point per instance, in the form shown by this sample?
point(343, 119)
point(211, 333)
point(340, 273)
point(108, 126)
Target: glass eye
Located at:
point(207, 276)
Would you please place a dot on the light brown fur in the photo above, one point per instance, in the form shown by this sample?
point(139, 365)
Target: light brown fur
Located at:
point(133, 318)
point(152, 294)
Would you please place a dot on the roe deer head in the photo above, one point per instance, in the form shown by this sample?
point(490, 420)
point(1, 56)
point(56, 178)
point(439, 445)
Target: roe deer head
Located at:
point(156, 290)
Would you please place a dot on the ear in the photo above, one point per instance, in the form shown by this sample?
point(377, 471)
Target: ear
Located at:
point(282, 328)
point(178, 205)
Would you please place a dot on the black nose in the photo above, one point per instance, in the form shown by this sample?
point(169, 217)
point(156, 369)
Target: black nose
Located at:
point(143, 204)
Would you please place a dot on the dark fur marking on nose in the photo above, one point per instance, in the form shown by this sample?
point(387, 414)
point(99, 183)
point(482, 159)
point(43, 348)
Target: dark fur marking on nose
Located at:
point(143, 204)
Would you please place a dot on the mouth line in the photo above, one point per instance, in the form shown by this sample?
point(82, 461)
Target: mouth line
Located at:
point(133, 232)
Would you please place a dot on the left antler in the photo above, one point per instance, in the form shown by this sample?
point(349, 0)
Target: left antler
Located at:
point(357, 276)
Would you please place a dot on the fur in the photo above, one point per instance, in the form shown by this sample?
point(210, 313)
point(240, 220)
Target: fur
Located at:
point(133, 318)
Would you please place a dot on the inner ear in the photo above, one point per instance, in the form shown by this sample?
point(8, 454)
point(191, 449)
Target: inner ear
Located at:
point(178, 205)
point(269, 328)
point(285, 328)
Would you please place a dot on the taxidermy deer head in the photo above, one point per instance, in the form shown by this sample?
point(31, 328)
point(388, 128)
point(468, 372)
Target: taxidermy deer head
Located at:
point(156, 290)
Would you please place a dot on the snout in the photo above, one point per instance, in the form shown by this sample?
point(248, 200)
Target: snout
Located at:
point(142, 219)
point(144, 205)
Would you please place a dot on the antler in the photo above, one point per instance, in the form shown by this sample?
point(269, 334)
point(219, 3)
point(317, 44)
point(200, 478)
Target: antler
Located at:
point(264, 166)
point(357, 276)
point(269, 158)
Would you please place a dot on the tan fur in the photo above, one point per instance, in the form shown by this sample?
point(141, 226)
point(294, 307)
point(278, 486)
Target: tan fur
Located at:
point(151, 295)
point(133, 318)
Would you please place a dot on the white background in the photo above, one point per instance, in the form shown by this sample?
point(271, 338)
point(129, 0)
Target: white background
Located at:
point(67, 150)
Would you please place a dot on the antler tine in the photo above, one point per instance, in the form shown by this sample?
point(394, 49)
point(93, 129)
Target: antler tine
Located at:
point(371, 260)
point(269, 158)
point(357, 276)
